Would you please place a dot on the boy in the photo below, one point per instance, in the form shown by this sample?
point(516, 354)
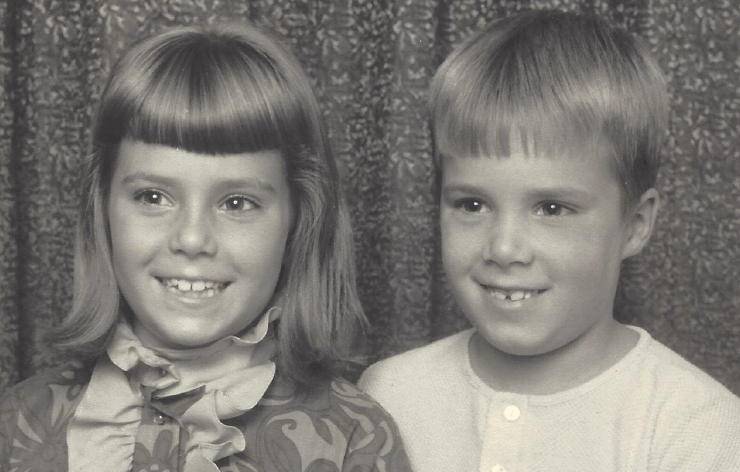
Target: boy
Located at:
point(548, 128)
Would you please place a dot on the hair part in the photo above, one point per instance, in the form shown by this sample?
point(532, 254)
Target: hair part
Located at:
point(554, 81)
point(218, 90)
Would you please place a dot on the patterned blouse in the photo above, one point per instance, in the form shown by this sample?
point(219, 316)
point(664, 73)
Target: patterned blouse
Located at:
point(334, 428)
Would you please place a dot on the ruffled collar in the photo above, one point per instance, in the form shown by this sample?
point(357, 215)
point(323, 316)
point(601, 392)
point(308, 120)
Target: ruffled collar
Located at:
point(196, 387)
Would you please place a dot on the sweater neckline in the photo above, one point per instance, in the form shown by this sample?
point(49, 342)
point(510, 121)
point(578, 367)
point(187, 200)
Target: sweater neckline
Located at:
point(621, 365)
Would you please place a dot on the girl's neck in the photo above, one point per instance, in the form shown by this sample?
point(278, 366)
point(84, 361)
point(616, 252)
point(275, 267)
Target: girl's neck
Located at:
point(555, 371)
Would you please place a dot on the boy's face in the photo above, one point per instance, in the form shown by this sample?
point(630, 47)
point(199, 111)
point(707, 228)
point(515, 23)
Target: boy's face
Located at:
point(532, 246)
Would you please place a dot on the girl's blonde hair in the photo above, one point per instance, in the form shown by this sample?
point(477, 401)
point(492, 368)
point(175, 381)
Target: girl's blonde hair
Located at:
point(221, 90)
point(554, 80)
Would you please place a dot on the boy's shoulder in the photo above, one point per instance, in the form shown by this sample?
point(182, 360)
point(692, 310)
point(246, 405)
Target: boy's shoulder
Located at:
point(677, 377)
point(423, 364)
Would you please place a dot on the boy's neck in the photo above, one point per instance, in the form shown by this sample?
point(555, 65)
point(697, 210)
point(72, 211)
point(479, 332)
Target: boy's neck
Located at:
point(556, 371)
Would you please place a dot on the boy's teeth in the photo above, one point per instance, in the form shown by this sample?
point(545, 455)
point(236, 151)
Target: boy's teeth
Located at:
point(513, 295)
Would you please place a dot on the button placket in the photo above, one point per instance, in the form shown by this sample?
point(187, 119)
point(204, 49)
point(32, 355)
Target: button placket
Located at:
point(505, 420)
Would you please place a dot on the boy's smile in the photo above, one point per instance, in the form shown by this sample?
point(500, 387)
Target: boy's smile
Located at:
point(532, 247)
point(197, 241)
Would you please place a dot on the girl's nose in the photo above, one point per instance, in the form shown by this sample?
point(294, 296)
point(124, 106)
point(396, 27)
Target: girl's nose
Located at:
point(193, 234)
point(507, 243)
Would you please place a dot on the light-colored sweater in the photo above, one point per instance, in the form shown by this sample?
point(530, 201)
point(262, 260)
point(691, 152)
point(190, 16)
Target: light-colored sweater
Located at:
point(651, 411)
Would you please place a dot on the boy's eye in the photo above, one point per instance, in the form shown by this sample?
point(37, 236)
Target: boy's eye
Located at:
point(152, 197)
point(553, 209)
point(471, 205)
point(238, 203)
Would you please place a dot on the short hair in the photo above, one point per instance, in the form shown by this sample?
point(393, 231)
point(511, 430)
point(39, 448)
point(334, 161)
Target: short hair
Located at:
point(221, 90)
point(553, 79)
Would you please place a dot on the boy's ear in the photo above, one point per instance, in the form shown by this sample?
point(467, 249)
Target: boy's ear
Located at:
point(640, 221)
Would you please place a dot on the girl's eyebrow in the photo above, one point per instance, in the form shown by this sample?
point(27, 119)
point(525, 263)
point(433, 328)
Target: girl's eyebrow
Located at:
point(169, 182)
point(461, 188)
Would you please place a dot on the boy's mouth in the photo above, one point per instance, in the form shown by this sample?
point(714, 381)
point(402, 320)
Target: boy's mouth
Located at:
point(193, 288)
point(514, 295)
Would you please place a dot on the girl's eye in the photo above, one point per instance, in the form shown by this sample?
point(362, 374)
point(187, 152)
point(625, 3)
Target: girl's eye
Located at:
point(553, 209)
point(238, 203)
point(471, 205)
point(152, 197)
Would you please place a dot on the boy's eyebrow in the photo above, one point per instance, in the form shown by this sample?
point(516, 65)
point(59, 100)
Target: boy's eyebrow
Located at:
point(538, 193)
point(562, 192)
point(169, 182)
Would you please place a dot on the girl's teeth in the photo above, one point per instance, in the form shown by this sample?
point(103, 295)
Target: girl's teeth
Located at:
point(210, 288)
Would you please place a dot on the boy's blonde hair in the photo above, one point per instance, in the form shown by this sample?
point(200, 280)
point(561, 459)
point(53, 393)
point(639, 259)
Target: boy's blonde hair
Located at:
point(222, 90)
point(555, 81)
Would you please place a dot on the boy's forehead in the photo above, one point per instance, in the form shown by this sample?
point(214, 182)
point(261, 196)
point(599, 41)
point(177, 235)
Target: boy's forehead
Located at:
point(543, 136)
point(587, 150)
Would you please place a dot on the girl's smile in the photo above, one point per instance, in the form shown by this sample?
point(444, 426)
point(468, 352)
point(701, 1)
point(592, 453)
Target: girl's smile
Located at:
point(193, 289)
point(197, 240)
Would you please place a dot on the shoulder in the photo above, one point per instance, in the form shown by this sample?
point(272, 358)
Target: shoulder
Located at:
point(427, 364)
point(697, 419)
point(65, 382)
point(34, 415)
point(678, 378)
point(338, 401)
point(334, 423)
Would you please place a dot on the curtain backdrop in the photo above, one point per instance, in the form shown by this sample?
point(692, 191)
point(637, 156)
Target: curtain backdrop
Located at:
point(371, 61)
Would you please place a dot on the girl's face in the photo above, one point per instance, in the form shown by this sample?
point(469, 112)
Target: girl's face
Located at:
point(198, 241)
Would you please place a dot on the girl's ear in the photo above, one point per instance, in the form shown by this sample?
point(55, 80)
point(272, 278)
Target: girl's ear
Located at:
point(640, 221)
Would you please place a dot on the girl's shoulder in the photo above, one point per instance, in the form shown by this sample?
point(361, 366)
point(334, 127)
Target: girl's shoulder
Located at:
point(333, 423)
point(64, 382)
point(336, 398)
point(34, 415)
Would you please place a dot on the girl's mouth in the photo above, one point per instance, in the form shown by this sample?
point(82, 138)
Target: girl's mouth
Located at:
point(194, 288)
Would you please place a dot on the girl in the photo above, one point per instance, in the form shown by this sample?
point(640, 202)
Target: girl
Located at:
point(214, 299)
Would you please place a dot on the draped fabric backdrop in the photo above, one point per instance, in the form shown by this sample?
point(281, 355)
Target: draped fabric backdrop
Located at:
point(371, 61)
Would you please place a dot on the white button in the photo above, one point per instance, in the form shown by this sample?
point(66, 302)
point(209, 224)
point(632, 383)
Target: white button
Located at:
point(498, 468)
point(512, 413)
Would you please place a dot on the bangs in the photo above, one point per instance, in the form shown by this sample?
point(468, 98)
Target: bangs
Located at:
point(203, 96)
point(525, 95)
point(530, 130)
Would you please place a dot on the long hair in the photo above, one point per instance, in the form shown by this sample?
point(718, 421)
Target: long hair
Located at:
point(554, 80)
point(221, 90)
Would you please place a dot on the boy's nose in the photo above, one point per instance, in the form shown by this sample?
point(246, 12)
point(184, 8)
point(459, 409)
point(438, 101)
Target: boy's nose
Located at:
point(193, 234)
point(507, 243)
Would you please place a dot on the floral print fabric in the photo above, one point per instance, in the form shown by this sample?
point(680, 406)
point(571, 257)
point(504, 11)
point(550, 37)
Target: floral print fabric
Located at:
point(334, 428)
